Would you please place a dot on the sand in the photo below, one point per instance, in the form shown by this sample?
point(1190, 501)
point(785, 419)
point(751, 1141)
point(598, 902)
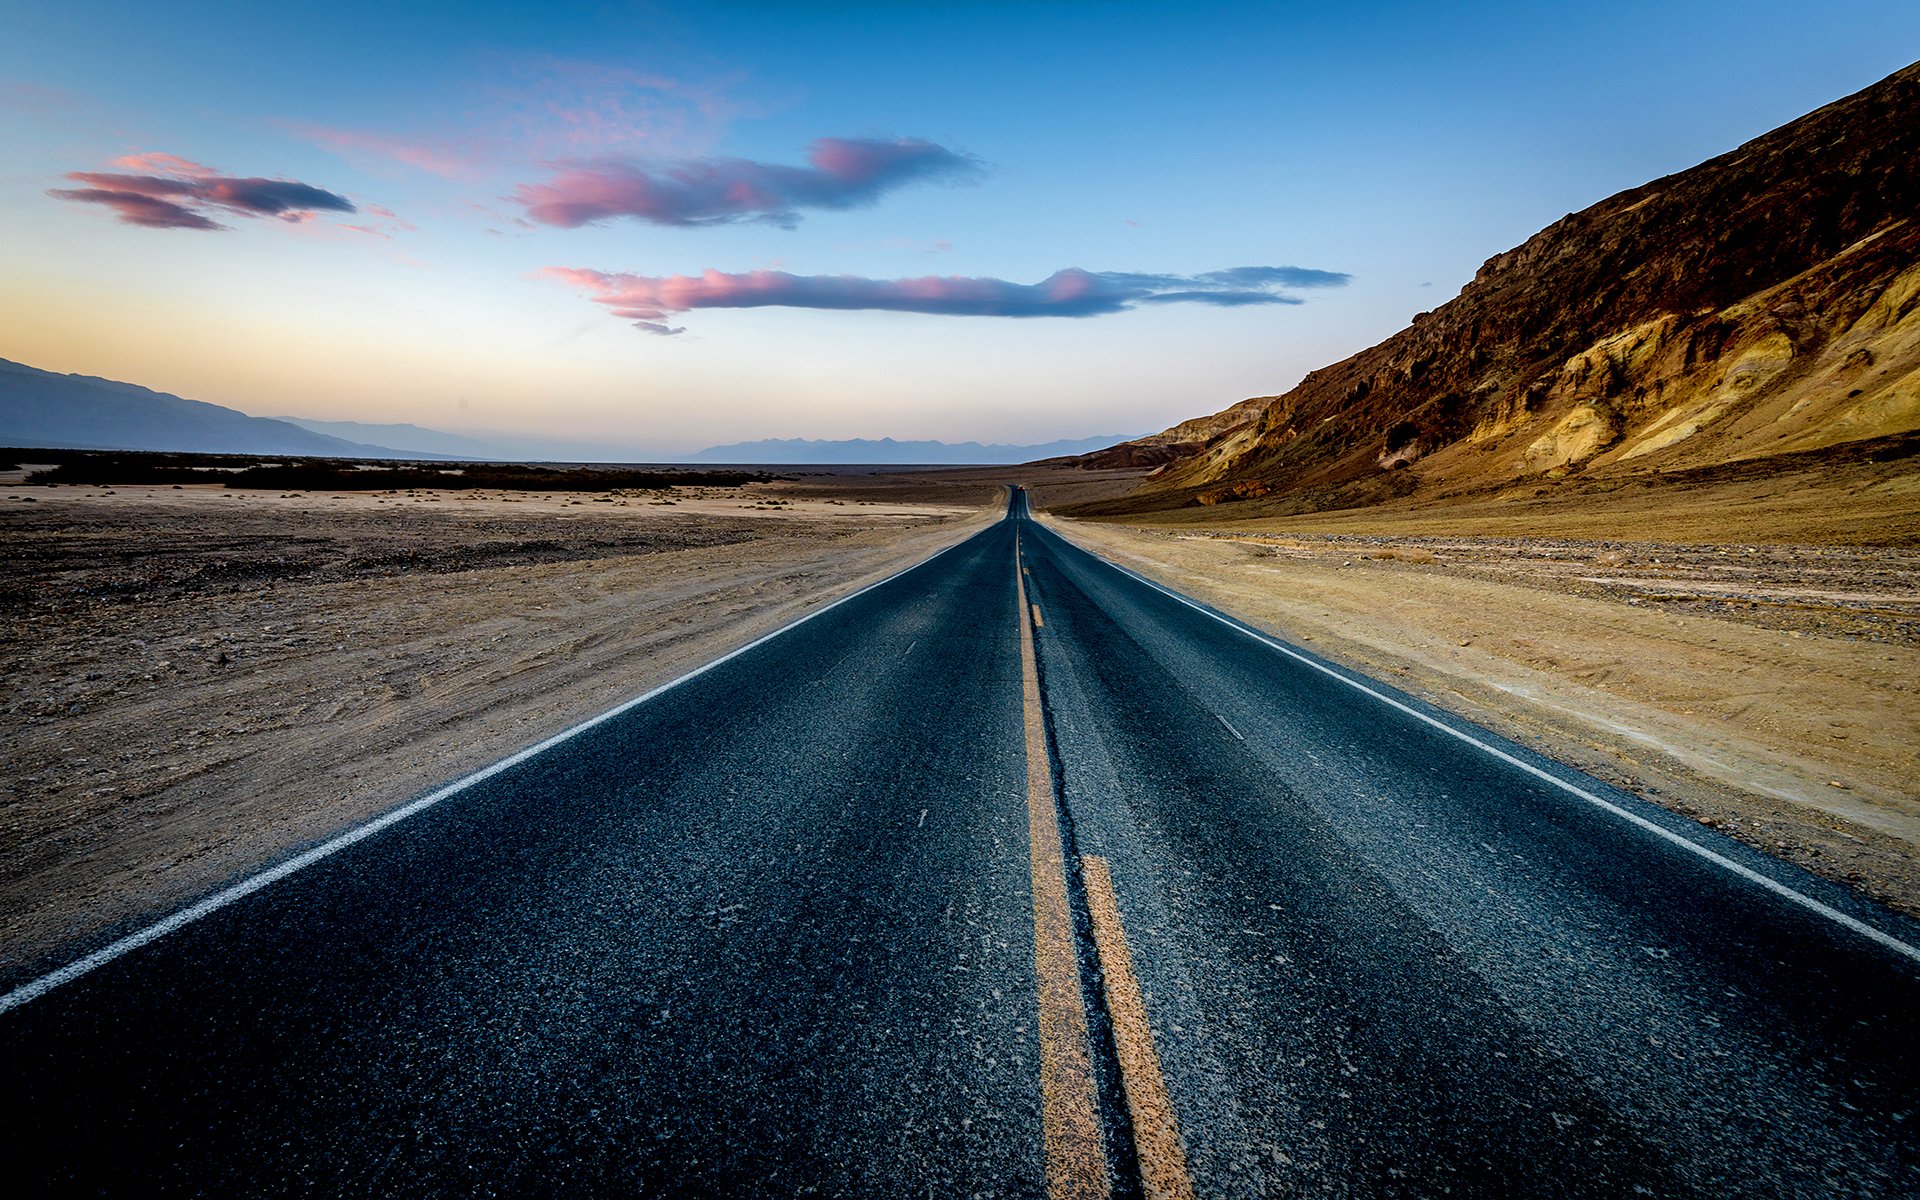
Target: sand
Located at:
point(1769, 691)
point(201, 681)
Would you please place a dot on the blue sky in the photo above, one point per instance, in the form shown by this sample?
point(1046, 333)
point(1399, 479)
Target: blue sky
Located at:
point(1138, 149)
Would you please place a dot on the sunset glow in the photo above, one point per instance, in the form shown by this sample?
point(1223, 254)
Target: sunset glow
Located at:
point(849, 215)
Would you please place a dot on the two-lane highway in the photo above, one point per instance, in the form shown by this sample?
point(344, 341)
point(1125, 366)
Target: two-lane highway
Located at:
point(1382, 960)
point(1012, 876)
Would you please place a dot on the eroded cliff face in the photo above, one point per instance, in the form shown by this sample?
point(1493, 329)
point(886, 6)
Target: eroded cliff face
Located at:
point(1764, 302)
point(1170, 446)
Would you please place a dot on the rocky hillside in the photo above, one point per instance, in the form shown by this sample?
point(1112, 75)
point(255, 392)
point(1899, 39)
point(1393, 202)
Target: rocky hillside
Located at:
point(1170, 446)
point(1764, 302)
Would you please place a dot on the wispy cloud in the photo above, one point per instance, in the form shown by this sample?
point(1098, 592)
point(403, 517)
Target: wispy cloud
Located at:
point(544, 110)
point(842, 173)
point(383, 223)
point(449, 158)
point(155, 162)
point(554, 108)
point(649, 301)
point(163, 191)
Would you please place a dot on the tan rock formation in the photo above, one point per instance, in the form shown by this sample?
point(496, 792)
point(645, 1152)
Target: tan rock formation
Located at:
point(1765, 302)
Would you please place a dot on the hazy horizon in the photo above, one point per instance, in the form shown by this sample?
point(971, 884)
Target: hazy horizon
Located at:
point(534, 449)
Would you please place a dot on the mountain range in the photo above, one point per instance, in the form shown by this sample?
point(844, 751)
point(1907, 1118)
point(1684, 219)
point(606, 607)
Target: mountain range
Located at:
point(1763, 303)
point(81, 412)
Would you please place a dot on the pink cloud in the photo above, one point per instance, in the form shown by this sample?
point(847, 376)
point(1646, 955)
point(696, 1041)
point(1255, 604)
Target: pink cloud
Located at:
point(392, 221)
point(384, 223)
point(156, 163)
point(842, 173)
point(449, 159)
point(650, 300)
point(176, 193)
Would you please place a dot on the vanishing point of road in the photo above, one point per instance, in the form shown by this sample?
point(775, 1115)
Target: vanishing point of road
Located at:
point(1015, 875)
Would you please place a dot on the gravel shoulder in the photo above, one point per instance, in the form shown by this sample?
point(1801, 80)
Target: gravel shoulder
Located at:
point(201, 681)
point(1769, 691)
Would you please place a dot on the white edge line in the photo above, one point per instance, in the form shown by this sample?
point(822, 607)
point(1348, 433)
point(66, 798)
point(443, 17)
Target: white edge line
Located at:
point(37, 988)
point(1720, 860)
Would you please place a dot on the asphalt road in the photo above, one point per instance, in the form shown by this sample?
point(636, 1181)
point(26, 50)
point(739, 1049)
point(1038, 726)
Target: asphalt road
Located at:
point(782, 930)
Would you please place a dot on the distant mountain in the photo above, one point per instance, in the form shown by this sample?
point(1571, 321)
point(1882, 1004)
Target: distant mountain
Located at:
point(81, 412)
point(886, 450)
point(411, 438)
point(1764, 303)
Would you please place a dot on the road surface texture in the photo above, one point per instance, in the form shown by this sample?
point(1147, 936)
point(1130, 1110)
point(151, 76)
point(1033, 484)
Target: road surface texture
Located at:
point(994, 880)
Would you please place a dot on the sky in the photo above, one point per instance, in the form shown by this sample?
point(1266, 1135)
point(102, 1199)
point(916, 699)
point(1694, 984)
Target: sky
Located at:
point(633, 230)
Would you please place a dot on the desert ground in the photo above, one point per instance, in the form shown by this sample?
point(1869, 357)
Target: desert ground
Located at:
point(201, 680)
point(1744, 649)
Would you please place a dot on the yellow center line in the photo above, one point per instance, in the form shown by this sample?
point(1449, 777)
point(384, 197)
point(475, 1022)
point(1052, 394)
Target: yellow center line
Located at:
point(1037, 622)
point(1069, 1117)
point(1156, 1131)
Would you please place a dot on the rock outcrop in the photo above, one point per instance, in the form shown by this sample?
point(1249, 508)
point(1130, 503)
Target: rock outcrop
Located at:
point(1764, 302)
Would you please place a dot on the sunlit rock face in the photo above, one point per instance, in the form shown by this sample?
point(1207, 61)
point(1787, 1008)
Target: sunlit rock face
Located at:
point(1764, 302)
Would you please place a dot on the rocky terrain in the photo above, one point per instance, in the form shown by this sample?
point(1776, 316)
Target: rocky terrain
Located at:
point(1766, 302)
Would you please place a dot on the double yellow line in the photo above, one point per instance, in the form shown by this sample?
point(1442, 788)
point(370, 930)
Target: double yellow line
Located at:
point(1070, 1117)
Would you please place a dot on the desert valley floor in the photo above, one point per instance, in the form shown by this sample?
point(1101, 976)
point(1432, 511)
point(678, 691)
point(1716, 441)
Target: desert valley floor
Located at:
point(202, 678)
